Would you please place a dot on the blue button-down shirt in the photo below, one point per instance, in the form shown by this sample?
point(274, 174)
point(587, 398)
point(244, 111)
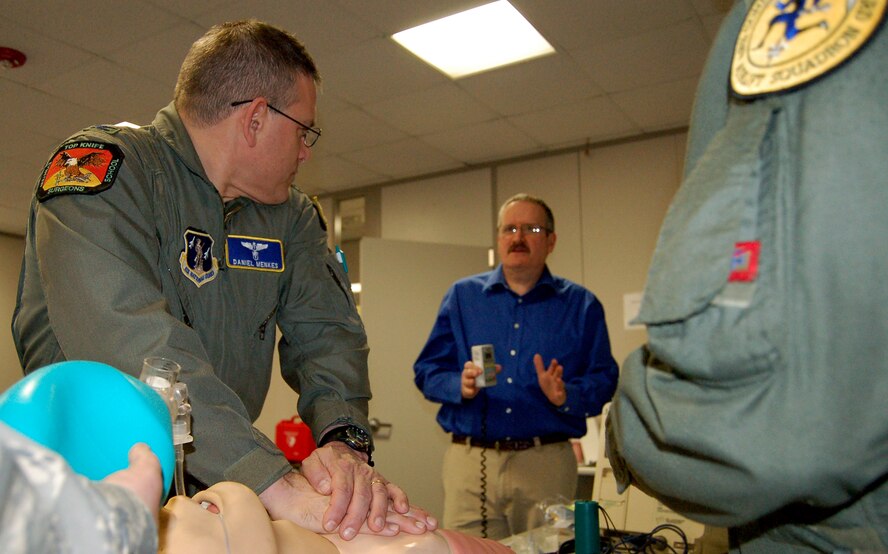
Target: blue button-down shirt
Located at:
point(557, 319)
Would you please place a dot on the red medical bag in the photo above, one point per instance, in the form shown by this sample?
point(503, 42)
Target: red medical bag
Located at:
point(294, 439)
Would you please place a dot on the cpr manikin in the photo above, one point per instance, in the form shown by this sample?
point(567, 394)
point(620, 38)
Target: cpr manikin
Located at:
point(92, 415)
point(228, 518)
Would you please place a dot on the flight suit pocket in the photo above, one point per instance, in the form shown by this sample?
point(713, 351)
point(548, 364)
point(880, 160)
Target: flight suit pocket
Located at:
point(338, 289)
point(705, 319)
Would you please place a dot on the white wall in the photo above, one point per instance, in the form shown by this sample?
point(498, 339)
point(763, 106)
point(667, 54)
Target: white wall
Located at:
point(625, 192)
point(451, 210)
point(11, 249)
point(608, 201)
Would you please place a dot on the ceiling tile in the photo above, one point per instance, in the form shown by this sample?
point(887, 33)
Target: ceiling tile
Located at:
point(108, 87)
point(28, 108)
point(405, 158)
point(90, 24)
point(712, 7)
point(392, 16)
point(101, 62)
point(661, 106)
point(192, 10)
point(46, 57)
point(591, 120)
point(332, 173)
point(376, 70)
point(657, 56)
point(572, 24)
point(323, 27)
point(484, 142)
point(532, 85)
point(419, 113)
point(353, 129)
point(159, 56)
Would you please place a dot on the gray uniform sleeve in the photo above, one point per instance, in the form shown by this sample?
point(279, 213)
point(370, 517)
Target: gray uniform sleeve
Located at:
point(97, 258)
point(46, 507)
point(323, 351)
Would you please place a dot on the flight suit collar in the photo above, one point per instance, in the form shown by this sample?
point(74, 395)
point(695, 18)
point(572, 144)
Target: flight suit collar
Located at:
point(171, 128)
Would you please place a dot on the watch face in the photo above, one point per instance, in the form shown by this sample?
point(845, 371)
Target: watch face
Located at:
point(357, 438)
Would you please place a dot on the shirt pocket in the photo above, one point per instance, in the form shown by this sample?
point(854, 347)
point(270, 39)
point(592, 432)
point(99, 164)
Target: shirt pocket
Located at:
point(702, 323)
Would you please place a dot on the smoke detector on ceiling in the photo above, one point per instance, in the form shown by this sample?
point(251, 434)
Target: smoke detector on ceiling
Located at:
point(10, 58)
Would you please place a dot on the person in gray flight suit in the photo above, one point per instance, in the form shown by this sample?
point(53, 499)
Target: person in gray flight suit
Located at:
point(185, 239)
point(759, 402)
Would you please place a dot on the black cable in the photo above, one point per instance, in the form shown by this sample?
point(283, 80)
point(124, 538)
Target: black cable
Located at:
point(608, 522)
point(648, 542)
point(483, 466)
point(675, 529)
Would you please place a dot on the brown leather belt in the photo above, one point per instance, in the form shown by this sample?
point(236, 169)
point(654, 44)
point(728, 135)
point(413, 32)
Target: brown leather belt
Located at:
point(510, 444)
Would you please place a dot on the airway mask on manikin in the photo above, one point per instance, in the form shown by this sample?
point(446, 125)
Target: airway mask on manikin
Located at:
point(91, 414)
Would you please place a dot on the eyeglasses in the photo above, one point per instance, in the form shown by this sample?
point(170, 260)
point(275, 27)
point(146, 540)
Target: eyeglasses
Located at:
point(526, 228)
point(311, 135)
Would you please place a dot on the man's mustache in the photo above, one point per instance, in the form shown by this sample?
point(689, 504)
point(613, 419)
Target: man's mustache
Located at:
point(519, 247)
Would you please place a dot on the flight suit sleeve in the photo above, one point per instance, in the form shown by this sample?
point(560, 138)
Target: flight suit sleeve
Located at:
point(97, 258)
point(323, 348)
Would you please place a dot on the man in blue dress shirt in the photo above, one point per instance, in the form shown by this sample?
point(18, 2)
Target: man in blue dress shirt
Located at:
point(510, 446)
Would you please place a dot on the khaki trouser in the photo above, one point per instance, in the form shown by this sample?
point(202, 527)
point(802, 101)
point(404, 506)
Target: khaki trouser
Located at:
point(517, 482)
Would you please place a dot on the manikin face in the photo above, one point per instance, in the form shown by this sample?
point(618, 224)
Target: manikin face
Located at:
point(524, 251)
point(238, 519)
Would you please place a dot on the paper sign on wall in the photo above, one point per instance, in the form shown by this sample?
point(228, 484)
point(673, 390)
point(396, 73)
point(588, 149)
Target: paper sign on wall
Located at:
point(631, 306)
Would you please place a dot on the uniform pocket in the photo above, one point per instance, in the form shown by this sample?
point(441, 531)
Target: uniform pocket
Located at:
point(700, 321)
point(338, 290)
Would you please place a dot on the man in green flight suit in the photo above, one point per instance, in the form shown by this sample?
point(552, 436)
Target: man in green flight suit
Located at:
point(185, 239)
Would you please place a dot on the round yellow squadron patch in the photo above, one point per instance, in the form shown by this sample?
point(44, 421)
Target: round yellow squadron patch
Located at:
point(784, 44)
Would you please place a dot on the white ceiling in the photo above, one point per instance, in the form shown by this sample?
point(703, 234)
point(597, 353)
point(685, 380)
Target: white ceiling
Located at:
point(622, 68)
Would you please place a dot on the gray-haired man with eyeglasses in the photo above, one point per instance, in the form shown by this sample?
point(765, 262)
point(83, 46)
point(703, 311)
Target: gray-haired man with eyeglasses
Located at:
point(186, 239)
point(551, 342)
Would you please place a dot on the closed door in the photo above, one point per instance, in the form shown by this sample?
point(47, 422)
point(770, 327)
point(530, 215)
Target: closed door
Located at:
point(402, 284)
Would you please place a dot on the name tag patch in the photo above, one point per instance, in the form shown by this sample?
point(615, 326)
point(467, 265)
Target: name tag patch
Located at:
point(744, 262)
point(196, 260)
point(784, 44)
point(259, 254)
point(80, 167)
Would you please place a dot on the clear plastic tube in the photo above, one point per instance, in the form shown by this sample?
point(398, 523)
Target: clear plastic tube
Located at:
point(181, 433)
point(161, 374)
point(180, 470)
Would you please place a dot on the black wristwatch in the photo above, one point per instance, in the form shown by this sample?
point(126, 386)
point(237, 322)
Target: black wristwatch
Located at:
point(354, 437)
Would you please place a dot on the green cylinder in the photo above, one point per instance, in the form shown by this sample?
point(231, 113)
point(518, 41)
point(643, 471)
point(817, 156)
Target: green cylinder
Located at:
point(586, 533)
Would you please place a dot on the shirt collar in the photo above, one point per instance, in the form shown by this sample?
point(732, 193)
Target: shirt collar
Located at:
point(496, 281)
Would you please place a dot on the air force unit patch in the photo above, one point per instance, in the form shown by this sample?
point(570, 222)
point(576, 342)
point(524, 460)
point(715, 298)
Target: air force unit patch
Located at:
point(196, 260)
point(260, 254)
point(80, 167)
point(784, 44)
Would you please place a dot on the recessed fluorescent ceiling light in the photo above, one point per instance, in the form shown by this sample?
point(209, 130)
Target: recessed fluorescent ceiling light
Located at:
point(475, 40)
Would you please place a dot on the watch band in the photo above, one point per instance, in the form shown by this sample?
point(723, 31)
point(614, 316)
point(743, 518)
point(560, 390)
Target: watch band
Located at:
point(354, 437)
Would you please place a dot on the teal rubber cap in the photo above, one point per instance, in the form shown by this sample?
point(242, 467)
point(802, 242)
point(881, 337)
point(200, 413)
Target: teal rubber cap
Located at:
point(91, 414)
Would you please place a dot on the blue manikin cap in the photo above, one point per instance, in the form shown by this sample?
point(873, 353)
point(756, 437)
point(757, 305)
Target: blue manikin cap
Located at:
point(91, 414)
